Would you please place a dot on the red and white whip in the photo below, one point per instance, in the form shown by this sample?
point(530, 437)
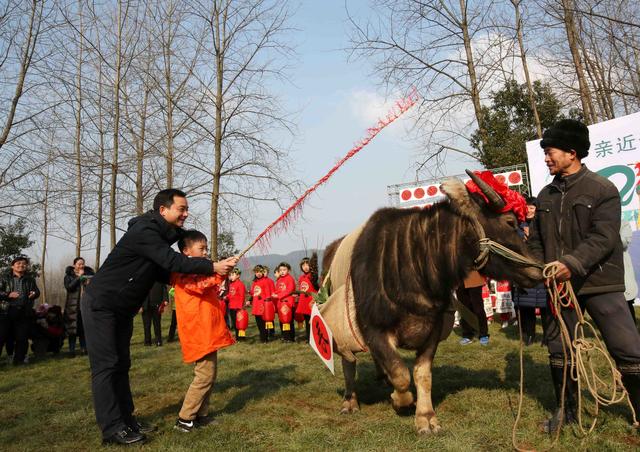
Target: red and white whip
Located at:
point(399, 108)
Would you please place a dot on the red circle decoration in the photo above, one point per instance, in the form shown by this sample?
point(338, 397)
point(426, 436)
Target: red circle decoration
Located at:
point(500, 178)
point(515, 178)
point(418, 193)
point(321, 338)
point(432, 190)
point(406, 195)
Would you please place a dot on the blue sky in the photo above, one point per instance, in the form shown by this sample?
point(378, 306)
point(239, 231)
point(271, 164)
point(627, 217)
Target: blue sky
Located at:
point(337, 100)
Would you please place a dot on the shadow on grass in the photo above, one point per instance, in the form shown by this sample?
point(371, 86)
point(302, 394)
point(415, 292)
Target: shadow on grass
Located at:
point(255, 384)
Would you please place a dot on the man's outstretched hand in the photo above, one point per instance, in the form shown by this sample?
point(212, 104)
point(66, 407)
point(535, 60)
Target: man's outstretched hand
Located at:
point(224, 266)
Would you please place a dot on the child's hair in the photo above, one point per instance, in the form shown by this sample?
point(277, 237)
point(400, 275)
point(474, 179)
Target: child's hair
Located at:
point(305, 260)
point(284, 264)
point(258, 268)
point(189, 238)
point(236, 270)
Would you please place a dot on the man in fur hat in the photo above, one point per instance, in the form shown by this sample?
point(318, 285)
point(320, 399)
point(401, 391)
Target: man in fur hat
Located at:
point(577, 228)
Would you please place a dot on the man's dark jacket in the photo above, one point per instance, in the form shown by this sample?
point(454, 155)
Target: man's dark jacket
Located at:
point(9, 283)
point(141, 257)
point(578, 223)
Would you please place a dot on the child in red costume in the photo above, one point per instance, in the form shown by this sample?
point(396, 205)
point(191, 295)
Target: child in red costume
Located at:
point(203, 331)
point(261, 291)
point(235, 296)
point(284, 295)
point(307, 286)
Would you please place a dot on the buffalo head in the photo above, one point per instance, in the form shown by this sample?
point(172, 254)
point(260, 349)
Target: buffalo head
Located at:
point(502, 228)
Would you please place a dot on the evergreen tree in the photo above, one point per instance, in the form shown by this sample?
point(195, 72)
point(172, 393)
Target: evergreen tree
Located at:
point(13, 239)
point(509, 123)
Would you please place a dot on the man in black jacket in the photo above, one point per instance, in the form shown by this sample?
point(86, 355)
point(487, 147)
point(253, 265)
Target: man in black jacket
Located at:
point(577, 228)
point(18, 290)
point(141, 257)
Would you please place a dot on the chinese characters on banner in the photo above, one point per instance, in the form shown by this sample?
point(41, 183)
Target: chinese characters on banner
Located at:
point(321, 338)
point(614, 153)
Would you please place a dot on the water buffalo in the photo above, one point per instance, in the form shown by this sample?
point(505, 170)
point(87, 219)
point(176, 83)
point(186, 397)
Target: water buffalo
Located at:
point(392, 282)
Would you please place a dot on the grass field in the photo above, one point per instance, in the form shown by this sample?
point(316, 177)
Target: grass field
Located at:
point(280, 397)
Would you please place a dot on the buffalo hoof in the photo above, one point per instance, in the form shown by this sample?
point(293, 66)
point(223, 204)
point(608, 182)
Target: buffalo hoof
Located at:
point(349, 406)
point(402, 402)
point(427, 425)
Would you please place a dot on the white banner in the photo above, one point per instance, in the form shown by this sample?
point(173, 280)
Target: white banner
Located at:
point(321, 338)
point(614, 153)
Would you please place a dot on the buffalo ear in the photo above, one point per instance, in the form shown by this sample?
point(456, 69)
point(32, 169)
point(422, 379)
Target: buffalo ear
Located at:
point(460, 198)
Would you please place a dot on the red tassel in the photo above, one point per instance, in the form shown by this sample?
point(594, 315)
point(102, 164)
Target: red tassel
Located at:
point(283, 221)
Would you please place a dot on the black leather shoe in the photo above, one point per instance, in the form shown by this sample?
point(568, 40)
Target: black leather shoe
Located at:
point(142, 427)
point(124, 437)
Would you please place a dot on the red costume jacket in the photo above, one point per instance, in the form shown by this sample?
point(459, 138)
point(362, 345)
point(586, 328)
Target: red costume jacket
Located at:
point(237, 294)
point(285, 287)
point(305, 301)
point(261, 289)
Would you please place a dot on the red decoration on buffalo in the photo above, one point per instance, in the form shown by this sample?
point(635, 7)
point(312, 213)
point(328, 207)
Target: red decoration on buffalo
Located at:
point(514, 201)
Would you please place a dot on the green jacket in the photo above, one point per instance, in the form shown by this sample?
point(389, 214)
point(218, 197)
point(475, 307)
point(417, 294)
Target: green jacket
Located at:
point(578, 223)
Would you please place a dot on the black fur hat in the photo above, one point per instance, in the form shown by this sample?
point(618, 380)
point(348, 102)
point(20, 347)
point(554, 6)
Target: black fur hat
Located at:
point(567, 135)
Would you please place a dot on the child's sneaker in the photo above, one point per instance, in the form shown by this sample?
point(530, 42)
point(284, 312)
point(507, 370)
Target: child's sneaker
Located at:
point(484, 340)
point(465, 341)
point(184, 426)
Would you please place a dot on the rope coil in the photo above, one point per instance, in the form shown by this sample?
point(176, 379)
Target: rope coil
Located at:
point(579, 357)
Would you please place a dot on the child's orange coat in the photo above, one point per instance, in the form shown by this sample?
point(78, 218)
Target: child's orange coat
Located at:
point(200, 315)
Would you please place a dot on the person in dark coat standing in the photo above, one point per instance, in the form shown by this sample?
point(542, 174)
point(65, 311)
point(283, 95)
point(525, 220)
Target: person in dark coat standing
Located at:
point(76, 278)
point(18, 290)
point(152, 305)
point(140, 258)
point(526, 301)
point(577, 228)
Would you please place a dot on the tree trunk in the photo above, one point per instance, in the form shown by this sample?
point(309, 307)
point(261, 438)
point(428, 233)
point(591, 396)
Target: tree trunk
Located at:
point(116, 131)
point(525, 68)
point(572, 38)
point(169, 100)
point(45, 233)
point(220, 23)
point(474, 91)
point(78, 137)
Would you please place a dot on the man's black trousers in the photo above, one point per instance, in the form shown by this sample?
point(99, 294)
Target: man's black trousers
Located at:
point(14, 327)
point(108, 336)
point(610, 313)
point(151, 316)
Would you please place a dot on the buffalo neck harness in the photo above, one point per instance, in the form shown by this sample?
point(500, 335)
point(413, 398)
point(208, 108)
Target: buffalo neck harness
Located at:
point(487, 246)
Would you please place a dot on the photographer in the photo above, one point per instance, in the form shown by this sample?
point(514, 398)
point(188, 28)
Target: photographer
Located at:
point(18, 290)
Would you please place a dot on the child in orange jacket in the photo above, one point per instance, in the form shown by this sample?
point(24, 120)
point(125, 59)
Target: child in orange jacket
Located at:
point(203, 330)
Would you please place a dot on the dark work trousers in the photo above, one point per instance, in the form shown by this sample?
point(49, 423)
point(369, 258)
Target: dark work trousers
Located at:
point(527, 321)
point(14, 327)
point(78, 336)
point(610, 312)
point(288, 336)
point(150, 316)
point(233, 314)
point(108, 336)
point(632, 309)
point(472, 298)
point(264, 336)
point(307, 326)
point(172, 328)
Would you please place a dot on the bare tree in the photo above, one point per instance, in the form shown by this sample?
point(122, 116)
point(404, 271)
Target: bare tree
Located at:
point(246, 163)
point(446, 49)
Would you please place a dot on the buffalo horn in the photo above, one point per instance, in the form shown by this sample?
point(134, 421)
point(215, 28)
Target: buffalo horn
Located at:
point(496, 202)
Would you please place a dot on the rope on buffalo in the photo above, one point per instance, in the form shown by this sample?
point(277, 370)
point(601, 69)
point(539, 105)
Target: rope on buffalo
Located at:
point(580, 351)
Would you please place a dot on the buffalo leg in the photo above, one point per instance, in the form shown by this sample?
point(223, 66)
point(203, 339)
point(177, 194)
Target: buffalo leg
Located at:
point(350, 402)
point(426, 420)
point(385, 354)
